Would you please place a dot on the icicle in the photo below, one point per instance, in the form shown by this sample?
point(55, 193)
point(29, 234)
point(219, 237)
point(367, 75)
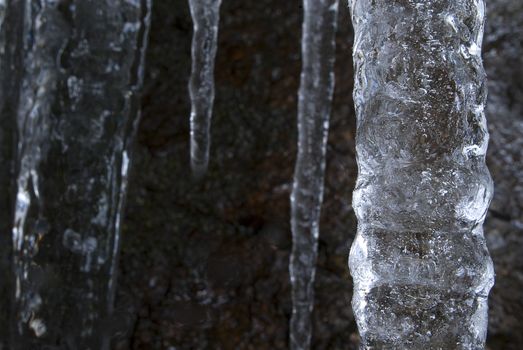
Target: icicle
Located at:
point(82, 71)
point(314, 107)
point(421, 269)
point(206, 17)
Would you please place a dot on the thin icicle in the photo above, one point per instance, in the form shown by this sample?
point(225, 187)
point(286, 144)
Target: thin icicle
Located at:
point(421, 269)
point(314, 107)
point(206, 18)
point(79, 103)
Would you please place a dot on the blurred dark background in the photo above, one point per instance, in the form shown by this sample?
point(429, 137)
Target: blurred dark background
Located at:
point(204, 265)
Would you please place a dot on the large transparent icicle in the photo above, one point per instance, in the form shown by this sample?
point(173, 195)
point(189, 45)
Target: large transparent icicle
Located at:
point(206, 18)
point(421, 269)
point(82, 69)
point(314, 107)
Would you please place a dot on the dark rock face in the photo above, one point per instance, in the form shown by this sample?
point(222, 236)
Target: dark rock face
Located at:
point(503, 50)
point(204, 265)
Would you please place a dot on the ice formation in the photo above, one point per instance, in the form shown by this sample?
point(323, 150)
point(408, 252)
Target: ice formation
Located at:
point(206, 18)
point(81, 70)
point(314, 107)
point(421, 269)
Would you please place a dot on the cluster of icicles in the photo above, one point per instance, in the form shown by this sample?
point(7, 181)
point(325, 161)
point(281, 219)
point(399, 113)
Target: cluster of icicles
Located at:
point(423, 189)
point(421, 195)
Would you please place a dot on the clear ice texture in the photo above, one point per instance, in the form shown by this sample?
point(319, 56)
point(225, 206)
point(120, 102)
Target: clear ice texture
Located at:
point(81, 69)
point(314, 108)
point(206, 18)
point(421, 269)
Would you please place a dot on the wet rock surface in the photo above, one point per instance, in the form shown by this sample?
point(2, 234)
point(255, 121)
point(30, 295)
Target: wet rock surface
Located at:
point(204, 265)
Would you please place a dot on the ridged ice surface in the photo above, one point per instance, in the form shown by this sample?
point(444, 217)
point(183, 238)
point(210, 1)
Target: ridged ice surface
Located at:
point(81, 71)
point(420, 266)
point(206, 18)
point(314, 107)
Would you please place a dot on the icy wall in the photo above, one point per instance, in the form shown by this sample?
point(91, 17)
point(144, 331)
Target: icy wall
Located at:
point(71, 74)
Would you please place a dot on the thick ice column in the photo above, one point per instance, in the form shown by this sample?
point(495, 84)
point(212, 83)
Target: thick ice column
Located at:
point(206, 18)
point(314, 107)
point(420, 265)
point(78, 109)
